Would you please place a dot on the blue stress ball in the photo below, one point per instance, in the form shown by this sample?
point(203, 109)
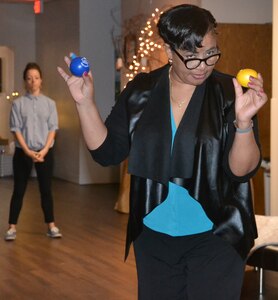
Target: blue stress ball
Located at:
point(79, 65)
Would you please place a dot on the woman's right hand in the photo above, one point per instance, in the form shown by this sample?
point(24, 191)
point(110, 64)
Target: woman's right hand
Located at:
point(35, 156)
point(81, 88)
point(82, 91)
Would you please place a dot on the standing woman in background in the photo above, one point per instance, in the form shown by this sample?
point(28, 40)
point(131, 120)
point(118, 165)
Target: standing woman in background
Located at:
point(34, 122)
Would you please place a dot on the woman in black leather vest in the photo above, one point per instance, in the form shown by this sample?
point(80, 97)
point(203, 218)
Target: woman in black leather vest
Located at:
point(190, 135)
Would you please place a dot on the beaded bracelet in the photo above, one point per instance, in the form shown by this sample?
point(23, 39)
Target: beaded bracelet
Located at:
point(248, 129)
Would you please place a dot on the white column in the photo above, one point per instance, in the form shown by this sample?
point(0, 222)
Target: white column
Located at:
point(274, 117)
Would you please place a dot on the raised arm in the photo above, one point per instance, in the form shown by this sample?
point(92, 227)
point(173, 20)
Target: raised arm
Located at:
point(82, 91)
point(244, 155)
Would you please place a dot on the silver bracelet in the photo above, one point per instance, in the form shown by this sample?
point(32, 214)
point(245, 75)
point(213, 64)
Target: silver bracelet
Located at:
point(239, 130)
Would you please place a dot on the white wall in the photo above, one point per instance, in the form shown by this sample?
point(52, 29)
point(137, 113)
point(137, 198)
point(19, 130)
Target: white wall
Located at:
point(17, 32)
point(225, 11)
point(136, 7)
point(57, 33)
point(240, 11)
point(83, 27)
point(17, 47)
point(96, 24)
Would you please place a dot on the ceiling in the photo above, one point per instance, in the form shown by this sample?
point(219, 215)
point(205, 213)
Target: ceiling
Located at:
point(21, 1)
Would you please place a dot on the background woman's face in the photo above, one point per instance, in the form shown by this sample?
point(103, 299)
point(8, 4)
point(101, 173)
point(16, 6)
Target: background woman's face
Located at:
point(202, 72)
point(33, 81)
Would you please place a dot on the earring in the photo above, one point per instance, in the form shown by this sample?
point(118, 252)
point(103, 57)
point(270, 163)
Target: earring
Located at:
point(170, 61)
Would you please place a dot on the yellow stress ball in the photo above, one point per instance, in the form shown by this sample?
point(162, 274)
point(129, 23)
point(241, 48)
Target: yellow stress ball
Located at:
point(243, 76)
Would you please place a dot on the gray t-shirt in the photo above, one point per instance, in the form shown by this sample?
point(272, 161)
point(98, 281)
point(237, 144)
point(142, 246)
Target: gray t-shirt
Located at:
point(34, 117)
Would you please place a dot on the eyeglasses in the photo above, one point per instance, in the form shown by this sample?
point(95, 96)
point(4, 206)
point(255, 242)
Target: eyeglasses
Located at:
point(193, 63)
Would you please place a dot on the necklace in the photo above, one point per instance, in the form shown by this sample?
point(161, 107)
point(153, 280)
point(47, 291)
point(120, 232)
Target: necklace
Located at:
point(179, 103)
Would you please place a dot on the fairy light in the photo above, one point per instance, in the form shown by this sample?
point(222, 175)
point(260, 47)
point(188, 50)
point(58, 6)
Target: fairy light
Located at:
point(12, 96)
point(148, 43)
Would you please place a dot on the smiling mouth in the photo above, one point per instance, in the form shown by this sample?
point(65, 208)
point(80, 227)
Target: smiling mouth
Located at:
point(199, 76)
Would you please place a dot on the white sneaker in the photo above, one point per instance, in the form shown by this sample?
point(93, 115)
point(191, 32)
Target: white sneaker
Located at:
point(54, 232)
point(10, 235)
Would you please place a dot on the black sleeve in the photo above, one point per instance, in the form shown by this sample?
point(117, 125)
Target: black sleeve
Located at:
point(115, 147)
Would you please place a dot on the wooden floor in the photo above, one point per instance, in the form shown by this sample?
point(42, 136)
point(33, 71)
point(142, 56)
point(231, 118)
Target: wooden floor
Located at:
point(87, 263)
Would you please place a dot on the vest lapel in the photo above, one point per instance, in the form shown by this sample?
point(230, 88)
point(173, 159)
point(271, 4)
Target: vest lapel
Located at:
point(151, 146)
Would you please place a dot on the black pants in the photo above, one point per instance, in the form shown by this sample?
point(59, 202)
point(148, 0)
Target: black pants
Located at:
point(22, 167)
point(195, 267)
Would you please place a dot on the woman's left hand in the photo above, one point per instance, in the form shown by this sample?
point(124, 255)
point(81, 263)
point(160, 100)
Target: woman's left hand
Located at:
point(42, 154)
point(249, 103)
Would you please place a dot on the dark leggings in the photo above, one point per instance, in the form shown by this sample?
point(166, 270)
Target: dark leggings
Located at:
point(22, 167)
point(195, 267)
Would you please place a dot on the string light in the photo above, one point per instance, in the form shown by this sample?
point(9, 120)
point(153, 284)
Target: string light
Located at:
point(148, 43)
point(12, 96)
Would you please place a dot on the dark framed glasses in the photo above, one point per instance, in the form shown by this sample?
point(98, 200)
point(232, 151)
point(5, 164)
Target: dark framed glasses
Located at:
point(193, 63)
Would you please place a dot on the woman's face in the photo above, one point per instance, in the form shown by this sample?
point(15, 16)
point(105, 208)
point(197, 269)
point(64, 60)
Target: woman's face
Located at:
point(198, 75)
point(33, 81)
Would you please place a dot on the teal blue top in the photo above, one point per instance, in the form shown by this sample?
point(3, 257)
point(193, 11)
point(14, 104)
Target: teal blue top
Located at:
point(179, 214)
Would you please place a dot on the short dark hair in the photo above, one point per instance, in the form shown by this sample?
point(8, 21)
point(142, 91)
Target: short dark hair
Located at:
point(184, 26)
point(31, 66)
